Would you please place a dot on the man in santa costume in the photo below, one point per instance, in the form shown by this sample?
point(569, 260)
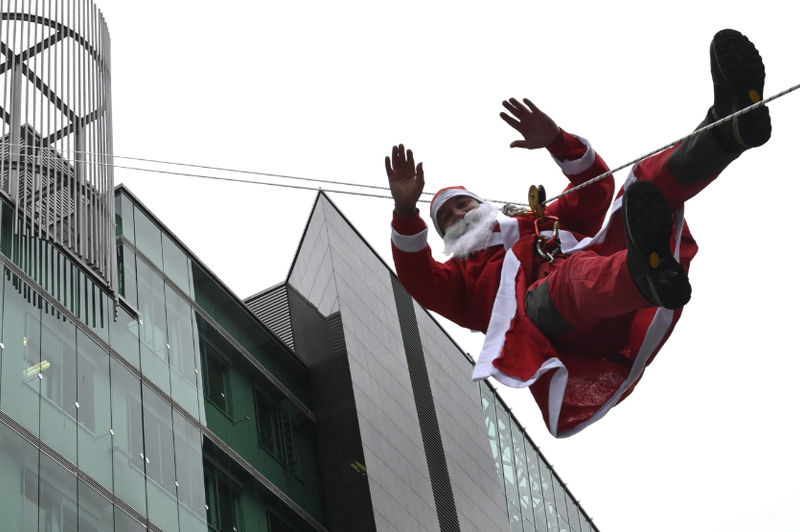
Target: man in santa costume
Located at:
point(579, 329)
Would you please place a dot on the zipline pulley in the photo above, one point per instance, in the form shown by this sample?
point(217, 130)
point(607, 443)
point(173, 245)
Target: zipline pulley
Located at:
point(546, 248)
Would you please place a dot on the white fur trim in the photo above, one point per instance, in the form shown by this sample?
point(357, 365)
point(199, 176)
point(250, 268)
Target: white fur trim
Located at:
point(410, 243)
point(503, 311)
point(508, 234)
point(579, 165)
point(509, 229)
point(495, 240)
point(558, 387)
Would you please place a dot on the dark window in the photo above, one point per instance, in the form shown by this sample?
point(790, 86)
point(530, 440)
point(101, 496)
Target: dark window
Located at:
point(223, 501)
point(274, 426)
point(276, 524)
point(216, 378)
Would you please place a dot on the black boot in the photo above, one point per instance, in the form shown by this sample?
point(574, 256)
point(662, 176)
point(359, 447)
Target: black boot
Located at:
point(648, 226)
point(738, 75)
point(701, 157)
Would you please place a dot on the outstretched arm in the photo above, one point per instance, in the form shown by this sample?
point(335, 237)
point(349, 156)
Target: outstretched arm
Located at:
point(538, 129)
point(436, 286)
point(405, 181)
point(583, 211)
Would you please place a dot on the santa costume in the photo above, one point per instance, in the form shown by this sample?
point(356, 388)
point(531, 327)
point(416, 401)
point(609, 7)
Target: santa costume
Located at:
point(579, 331)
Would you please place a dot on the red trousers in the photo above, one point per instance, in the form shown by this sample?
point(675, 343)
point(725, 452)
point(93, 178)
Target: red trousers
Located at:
point(585, 302)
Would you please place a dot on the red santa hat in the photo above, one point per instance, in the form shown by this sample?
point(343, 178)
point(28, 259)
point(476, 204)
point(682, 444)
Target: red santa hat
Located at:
point(444, 195)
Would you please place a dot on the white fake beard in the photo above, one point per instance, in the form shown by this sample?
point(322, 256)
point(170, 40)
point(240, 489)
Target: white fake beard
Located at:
point(472, 232)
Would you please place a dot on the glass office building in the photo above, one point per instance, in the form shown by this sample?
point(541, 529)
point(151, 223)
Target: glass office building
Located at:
point(329, 402)
point(137, 392)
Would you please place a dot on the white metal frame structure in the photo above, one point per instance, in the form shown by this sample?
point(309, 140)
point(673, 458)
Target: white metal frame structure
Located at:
point(55, 128)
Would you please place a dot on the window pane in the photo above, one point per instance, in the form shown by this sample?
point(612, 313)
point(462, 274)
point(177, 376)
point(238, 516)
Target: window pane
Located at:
point(515, 518)
point(162, 503)
point(189, 472)
point(148, 237)
point(153, 326)
point(522, 472)
point(94, 414)
point(537, 499)
point(128, 276)
point(125, 523)
point(176, 265)
point(125, 216)
point(547, 481)
point(572, 509)
point(224, 500)
point(276, 524)
point(539, 513)
point(552, 517)
point(561, 500)
point(487, 397)
point(268, 411)
point(183, 352)
point(98, 307)
point(19, 469)
point(58, 497)
point(128, 442)
point(585, 526)
point(125, 336)
point(532, 457)
point(95, 513)
point(21, 367)
point(59, 385)
point(215, 370)
point(507, 456)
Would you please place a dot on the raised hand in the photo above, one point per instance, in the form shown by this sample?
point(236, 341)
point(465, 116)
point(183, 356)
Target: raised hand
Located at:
point(405, 180)
point(536, 128)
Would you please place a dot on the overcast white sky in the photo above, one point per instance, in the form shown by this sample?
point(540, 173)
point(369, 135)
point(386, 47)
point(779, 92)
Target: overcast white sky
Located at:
point(320, 89)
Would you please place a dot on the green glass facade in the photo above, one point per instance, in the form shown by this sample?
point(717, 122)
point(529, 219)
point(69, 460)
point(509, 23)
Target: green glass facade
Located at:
point(177, 412)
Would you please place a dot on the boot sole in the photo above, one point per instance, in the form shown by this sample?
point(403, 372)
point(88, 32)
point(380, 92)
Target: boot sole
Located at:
point(740, 65)
point(648, 226)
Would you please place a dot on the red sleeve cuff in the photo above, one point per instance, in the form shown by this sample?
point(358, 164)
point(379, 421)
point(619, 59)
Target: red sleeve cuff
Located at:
point(566, 147)
point(408, 225)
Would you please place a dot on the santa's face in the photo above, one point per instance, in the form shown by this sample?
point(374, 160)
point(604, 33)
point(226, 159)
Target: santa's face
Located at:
point(472, 231)
point(454, 210)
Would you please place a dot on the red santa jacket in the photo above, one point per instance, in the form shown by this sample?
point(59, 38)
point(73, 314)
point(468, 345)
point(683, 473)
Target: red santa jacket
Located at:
point(486, 292)
point(464, 290)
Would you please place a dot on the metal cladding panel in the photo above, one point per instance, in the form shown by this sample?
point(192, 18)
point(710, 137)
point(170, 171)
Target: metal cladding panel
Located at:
point(311, 339)
point(55, 137)
point(426, 411)
point(272, 308)
point(476, 489)
point(420, 477)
